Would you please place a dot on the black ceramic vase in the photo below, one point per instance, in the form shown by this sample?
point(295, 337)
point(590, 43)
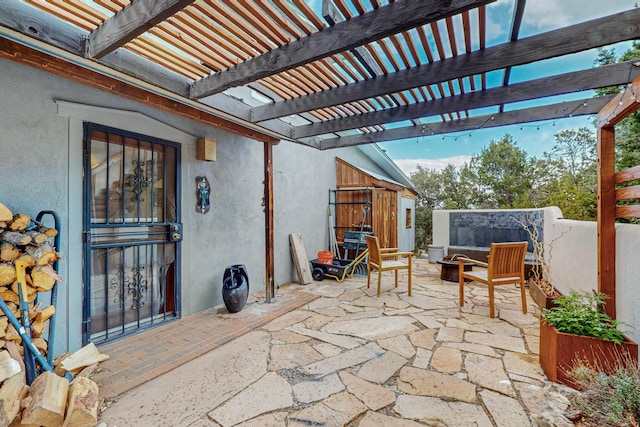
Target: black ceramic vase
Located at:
point(235, 287)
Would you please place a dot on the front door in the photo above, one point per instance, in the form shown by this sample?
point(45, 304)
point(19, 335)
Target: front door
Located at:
point(132, 230)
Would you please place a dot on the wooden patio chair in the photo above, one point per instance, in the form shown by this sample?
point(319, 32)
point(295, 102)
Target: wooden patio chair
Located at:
point(385, 259)
point(504, 267)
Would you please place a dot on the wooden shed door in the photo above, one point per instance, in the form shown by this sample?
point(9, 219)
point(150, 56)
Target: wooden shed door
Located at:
point(385, 218)
point(132, 230)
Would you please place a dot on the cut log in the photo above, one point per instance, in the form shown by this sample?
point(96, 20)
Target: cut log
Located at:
point(20, 222)
point(82, 404)
point(86, 356)
point(13, 350)
point(49, 232)
point(14, 308)
point(28, 259)
point(7, 274)
point(87, 371)
point(9, 295)
point(57, 363)
point(45, 314)
point(37, 328)
point(44, 277)
point(41, 345)
point(48, 395)
point(12, 335)
point(15, 238)
point(3, 326)
point(12, 391)
point(5, 213)
point(8, 366)
point(8, 251)
point(30, 289)
point(37, 237)
point(43, 254)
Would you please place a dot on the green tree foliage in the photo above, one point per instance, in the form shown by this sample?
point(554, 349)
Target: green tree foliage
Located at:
point(504, 175)
point(571, 166)
point(436, 190)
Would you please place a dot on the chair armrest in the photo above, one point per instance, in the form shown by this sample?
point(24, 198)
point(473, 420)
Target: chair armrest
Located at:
point(383, 250)
point(474, 261)
point(397, 254)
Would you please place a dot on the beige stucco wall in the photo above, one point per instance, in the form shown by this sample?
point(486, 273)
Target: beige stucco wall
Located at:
point(571, 248)
point(41, 169)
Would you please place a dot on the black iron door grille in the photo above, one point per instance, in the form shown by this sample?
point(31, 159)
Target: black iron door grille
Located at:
point(132, 230)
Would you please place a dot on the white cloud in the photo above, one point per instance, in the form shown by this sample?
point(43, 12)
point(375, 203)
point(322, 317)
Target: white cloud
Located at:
point(547, 14)
point(410, 165)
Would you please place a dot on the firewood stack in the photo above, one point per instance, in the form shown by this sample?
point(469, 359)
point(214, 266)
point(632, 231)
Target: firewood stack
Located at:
point(20, 240)
point(51, 400)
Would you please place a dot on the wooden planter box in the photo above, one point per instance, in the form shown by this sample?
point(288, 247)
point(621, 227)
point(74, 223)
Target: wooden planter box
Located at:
point(559, 351)
point(539, 297)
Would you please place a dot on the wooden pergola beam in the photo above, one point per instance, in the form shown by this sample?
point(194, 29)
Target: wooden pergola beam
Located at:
point(620, 107)
point(576, 38)
point(598, 77)
point(534, 114)
point(375, 25)
point(134, 19)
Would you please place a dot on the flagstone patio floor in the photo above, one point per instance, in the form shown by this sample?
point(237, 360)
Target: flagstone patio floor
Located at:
point(334, 354)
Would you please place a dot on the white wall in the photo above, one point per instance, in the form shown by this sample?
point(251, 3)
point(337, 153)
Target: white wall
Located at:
point(41, 169)
point(406, 236)
point(571, 248)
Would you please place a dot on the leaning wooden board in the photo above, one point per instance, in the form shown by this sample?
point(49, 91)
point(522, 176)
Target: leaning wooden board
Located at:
point(300, 259)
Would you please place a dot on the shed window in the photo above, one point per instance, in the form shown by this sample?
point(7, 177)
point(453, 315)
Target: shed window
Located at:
point(408, 216)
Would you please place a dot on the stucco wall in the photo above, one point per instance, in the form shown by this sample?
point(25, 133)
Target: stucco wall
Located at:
point(41, 168)
point(571, 248)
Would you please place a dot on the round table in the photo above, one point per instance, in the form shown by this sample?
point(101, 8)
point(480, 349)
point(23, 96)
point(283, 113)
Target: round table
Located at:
point(449, 270)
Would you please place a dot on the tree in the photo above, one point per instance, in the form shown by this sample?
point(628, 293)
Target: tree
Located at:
point(436, 190)
point(627, 131)
point(427, 184)
point(504, 175)
point(575, 152)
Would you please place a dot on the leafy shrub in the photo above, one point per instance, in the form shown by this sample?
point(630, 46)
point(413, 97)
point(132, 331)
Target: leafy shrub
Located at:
point(608, 399)
point(580, 313)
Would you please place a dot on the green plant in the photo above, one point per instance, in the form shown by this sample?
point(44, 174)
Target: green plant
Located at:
point(612, 399)
point(581, 313)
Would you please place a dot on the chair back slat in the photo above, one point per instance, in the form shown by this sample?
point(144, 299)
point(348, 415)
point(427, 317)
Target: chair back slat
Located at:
point(507, 259)
point(374, 249)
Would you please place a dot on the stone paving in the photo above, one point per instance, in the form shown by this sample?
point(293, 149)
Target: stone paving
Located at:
point(350, 358)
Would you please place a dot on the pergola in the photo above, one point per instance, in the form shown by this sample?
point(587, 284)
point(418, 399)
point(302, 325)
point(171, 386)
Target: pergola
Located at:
point(356, 73)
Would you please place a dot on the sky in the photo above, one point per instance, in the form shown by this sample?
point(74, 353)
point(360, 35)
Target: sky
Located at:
point(435, 152)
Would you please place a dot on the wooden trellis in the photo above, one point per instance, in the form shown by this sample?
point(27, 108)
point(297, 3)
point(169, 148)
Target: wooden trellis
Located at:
point(613, 113)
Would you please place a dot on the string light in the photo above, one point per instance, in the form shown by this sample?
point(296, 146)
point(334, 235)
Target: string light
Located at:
point(583, 104)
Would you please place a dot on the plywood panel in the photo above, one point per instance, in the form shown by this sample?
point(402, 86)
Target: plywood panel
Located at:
point(385, 217)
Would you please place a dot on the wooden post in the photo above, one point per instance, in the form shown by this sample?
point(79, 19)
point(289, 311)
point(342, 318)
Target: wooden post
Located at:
point(268, 220)
point(607, 217)
point(624, 104)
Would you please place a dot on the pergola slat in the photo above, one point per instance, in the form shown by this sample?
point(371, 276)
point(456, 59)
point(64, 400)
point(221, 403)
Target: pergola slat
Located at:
point(598, 32)
point(609, 75)
point(387, 20)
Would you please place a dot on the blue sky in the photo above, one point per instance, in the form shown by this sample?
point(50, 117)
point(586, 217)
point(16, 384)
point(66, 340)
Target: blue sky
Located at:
point(535, 138)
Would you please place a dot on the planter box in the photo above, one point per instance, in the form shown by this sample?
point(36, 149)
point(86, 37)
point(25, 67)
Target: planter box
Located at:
point(559, 351)
point(539, 297)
